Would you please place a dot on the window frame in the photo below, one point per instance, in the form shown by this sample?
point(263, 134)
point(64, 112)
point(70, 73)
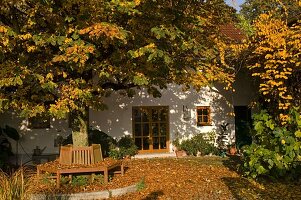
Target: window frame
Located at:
point(202, 123)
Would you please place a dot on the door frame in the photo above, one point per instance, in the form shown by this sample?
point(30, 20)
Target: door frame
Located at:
point(151, 150)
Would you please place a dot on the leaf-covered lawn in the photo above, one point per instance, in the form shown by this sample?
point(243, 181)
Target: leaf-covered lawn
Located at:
point(192, 178)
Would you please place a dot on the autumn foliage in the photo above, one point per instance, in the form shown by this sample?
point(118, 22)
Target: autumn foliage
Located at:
point(58, 57)
point(273, 56)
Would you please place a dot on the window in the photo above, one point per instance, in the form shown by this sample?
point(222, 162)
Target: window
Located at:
point(39, 122)
point(203, 116)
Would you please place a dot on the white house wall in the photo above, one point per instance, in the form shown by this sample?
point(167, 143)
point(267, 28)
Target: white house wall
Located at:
point(31, 138)
point(117, 120)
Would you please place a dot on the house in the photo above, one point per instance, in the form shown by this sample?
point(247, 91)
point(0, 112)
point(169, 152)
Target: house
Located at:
point(153, 122)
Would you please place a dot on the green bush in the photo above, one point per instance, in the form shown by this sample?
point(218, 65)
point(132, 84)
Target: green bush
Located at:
point(198, 144)
point(99, 137)
point(275, 150)
point(80, 180)
point(125, 147)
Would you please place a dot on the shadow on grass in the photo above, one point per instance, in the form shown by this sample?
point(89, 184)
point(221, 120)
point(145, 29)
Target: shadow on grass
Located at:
point(245, 189)
point(154, 195)
point(242, 189)
point(263, 189)
point(233, 163)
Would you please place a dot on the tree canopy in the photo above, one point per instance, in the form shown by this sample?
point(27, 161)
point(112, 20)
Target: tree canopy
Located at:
point(273, 55)
point(58, 56)
point(251, 9)
point(61, 55)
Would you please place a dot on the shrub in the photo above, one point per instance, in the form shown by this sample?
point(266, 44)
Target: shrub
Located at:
point(198, 144)
point(99, 137)
point(276, 148)
point(125, 147)
point(79, 180)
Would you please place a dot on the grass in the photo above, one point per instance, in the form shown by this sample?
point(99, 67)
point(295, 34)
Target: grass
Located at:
point(18, 185)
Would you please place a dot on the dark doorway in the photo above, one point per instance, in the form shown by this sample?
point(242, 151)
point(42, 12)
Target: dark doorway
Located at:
point(243, 125)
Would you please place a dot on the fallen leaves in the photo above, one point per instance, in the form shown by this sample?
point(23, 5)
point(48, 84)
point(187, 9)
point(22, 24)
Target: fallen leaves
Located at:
point(187, 178)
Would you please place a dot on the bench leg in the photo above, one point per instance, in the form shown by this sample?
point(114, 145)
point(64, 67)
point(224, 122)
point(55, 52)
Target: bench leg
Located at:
point(38, 172)
point(92, 177)
point(122, 169)
point(58, 179)
point(70, 178)
point(106, 176)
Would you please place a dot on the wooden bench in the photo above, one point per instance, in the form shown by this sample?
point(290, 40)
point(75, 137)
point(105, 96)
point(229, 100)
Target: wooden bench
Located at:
point(80, 160)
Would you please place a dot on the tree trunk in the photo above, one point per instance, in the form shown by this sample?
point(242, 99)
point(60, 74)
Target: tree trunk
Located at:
point(80, 135)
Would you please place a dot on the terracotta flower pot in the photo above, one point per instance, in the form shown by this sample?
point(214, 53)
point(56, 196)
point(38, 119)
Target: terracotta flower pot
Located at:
point(232, 150)
point(181, 153)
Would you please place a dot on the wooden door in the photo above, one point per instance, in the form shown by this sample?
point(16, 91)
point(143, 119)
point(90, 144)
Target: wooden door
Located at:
point(151, 128)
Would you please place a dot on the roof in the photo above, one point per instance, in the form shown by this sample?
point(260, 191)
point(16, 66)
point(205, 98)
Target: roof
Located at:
point(232, 32)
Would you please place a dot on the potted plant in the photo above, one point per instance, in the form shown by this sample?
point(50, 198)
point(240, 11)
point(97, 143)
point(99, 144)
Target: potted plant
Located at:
point(232, 149)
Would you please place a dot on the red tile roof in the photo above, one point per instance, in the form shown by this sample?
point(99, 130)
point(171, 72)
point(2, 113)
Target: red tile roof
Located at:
point(232, 32)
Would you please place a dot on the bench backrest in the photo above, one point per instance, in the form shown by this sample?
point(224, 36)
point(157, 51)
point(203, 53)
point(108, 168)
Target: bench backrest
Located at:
point(80, 155)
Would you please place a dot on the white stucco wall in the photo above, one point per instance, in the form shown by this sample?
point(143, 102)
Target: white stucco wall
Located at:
point(30, 138)
point(116, 121)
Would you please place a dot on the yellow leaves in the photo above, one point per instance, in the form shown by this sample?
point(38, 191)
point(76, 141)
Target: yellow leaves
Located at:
point(67, 40)
point(284, 118)
point(151, 45)
point(25, 36)
point(3, 29)
point(12, 81)
point(150, 48)
point(104, 29)
point(78, 53)
point(283, 106)
point(70, 30)
point(255, 74)
point(221, 46)
point(137, 2)
point(276, 53)
point(64, 74)
point(238, 48)
point(31, 48)
point(283, 54)
point(36, 110)
point(288, 97)
point(5, 41)
point(49, 76)
point(268, 56)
